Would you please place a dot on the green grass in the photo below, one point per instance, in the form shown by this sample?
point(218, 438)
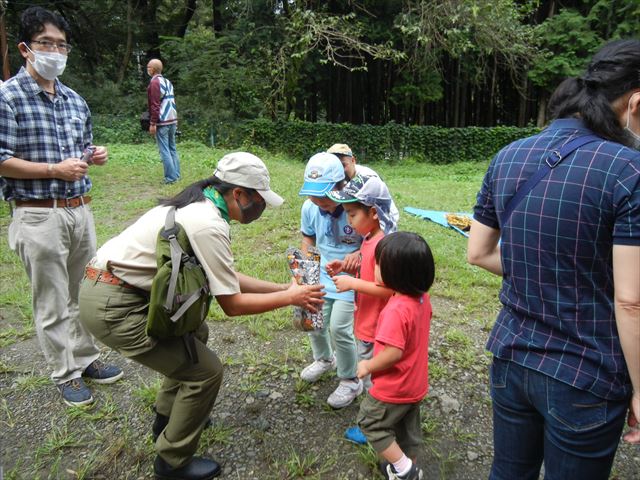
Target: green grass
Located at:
point(130, 184)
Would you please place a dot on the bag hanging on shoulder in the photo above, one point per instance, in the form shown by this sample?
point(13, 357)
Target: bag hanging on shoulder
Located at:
point(145, 121)
point(179, 299)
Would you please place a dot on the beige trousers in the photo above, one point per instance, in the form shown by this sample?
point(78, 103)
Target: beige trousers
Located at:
point(54, 245)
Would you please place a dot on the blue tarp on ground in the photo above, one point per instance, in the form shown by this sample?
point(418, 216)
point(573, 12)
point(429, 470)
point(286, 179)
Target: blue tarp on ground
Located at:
point(437, 217)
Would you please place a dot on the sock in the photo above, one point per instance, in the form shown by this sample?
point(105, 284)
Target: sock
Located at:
point(403, 465)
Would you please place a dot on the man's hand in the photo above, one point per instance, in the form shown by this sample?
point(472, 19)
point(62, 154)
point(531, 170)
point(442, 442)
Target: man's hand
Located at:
point(152, 130)
point(70, 169)
point(100, 156)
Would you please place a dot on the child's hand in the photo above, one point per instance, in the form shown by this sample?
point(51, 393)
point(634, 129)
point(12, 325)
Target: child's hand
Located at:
point(334, 267)
point(363, 369)
point(351, 262)
point(343, 282)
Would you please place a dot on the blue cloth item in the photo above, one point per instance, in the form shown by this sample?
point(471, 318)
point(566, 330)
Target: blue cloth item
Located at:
point(437, 216)
point(322, 172)
point(535, 416)
point(334, 237)
point(38, 129)
point(558, 314)
point(166, 138)
point(355, 435)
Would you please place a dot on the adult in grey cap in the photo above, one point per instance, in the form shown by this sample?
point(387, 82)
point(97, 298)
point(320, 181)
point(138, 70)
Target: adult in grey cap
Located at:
point(114, 302)
point(352, 168)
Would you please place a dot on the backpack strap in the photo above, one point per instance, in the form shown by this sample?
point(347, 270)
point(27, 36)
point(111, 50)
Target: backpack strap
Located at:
point(551, 162)
point(178, 255)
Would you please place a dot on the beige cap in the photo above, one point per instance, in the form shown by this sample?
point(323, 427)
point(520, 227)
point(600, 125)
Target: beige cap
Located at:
point(246, 170)
point(340, 149)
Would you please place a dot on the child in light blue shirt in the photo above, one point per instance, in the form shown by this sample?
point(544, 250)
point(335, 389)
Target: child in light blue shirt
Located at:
point(324, 225)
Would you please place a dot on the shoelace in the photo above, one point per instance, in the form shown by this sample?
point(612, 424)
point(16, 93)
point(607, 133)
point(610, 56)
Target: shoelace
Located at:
point(344, 389)
point(73, 384)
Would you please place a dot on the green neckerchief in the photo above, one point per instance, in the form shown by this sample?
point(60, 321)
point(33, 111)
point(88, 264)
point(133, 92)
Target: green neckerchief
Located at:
point(213, 195)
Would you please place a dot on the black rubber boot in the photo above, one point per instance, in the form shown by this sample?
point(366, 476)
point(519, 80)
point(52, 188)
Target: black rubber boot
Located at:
point(161, 422)
point(159, 425)
point(197, 469)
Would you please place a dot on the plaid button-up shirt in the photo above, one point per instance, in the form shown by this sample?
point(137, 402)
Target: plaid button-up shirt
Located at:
point(557, 292)
point(36, 128)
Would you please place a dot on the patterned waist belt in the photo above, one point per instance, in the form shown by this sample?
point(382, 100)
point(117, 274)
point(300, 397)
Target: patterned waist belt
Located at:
point(103, 276)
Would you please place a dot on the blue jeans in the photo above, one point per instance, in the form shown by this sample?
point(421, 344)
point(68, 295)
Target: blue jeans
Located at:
point(536, 418)
point(166, 138)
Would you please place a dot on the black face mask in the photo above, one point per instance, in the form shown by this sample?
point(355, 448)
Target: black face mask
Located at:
point(252, 210)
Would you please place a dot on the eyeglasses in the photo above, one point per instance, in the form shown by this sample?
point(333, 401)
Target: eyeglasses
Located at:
point(51, 46)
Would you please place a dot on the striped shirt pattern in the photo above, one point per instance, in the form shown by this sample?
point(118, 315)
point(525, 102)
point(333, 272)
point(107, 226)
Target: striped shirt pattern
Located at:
point(37, 129)
point(557, 292)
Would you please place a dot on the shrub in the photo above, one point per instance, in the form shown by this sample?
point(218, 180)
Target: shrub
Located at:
point(391, 142)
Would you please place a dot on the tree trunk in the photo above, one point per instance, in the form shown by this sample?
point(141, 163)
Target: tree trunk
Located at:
point(126, 58)
point(187, 15)
point(542, 109)
point(147, 12)
point(216, 6)
point(4, 50)
point(522, 107)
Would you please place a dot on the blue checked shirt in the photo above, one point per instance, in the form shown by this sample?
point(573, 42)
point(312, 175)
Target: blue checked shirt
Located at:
point(38, 129)
point(557, 291)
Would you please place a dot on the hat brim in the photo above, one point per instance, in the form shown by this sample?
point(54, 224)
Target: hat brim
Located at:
point(340, 196)
point(316, 189)
point(271, 198)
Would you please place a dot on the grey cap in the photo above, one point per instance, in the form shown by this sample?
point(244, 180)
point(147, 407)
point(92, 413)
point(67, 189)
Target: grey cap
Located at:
point(246, 170)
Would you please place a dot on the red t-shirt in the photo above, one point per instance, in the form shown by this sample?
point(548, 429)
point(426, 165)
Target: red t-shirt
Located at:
point(404, 324)
point(367, 308)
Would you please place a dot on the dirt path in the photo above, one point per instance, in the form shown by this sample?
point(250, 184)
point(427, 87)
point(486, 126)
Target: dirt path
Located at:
point(267, 424)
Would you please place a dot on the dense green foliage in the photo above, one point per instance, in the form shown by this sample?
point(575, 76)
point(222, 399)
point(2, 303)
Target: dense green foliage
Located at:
point(390, 143)
point(413, 62)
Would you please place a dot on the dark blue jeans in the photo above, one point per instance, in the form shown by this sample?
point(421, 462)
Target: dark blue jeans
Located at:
point(536, 418)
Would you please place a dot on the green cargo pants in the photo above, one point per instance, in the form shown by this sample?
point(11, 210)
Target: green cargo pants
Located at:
point(117, 316)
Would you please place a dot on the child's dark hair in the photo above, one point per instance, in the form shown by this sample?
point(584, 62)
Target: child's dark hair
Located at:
point(34, 19)
point(406, 263)
point(613, 71)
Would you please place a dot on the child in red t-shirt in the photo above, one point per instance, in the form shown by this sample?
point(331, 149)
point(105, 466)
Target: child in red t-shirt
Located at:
point(367, 202)
point(390, 414)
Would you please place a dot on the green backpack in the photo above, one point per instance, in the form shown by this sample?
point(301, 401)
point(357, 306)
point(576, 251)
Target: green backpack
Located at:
point(179, 300)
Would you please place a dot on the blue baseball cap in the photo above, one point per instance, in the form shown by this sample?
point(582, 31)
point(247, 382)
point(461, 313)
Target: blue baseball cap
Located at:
point(321, 174)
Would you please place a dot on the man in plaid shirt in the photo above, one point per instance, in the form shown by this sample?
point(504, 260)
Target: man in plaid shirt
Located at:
point(566, 343)
point(44, 129)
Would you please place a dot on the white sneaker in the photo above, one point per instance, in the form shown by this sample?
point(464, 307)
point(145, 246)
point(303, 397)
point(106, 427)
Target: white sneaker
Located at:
point(313, 372)
point(414, 474)
point(346, 393)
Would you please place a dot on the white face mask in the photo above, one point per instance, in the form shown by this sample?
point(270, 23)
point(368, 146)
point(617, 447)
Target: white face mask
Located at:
point(48, 65)
point(635, 137)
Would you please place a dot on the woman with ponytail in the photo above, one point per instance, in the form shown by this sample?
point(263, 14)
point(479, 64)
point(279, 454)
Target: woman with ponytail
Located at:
point(566, 343)
point(114, 301)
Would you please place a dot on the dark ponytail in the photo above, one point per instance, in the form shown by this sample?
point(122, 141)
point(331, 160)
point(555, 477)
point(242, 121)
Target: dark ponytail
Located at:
point(193, 193)
point(613, 71)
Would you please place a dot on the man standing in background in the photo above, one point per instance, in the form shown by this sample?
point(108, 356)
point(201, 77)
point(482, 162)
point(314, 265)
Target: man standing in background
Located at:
point(45, 152)
point(163, 118)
